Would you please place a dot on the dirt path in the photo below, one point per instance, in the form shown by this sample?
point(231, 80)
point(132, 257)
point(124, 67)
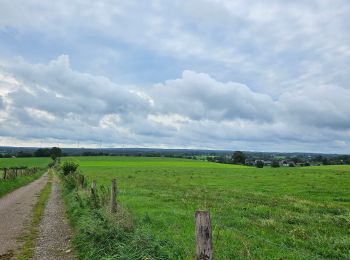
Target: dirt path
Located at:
point(54, 234)
point(15, 209)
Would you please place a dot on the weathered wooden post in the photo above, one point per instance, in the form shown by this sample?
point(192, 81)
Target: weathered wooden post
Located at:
point(5, 172)
point(82, 181)
point(203, 236)
point(114, 196)
point(93, 187)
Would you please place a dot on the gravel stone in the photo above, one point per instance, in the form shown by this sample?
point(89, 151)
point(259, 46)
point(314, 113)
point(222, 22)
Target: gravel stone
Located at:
point(54, 237)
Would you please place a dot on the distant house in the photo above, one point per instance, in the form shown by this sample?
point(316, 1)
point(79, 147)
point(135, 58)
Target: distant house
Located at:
point(284, 163)
point(249, 162)
point(267, 163)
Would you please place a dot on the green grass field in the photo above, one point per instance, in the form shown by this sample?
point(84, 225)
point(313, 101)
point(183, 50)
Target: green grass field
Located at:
point(7, 186)
point(29, 162)
point(294, 213)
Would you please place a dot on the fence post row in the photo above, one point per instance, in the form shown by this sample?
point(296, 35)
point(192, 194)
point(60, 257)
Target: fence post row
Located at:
point(14, 172)
point(203, 236)
point(114, 196)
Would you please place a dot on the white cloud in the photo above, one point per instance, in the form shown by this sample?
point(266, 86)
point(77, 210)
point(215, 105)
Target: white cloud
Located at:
point(40, 115)
point(199, 96)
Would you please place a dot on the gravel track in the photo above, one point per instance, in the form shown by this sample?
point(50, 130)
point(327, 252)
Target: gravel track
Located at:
point(15, 210)
point(54, 232)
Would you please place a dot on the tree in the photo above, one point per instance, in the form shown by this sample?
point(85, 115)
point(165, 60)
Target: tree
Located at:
point(325, 161)
point(238, 157)
point(55, 152)
point(42, 152)
point(275, 164)
point(259, 164)
point(296, 160)
point(23, 154)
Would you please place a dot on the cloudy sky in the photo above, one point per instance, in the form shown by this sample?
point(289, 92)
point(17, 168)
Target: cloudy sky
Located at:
point(220, 74)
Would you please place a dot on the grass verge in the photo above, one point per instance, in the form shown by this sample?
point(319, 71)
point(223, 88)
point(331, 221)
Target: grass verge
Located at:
point(29, 237)
point(7, 186)
point(100, 234)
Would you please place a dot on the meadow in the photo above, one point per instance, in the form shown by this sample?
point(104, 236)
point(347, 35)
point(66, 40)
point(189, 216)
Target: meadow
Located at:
point(7, 186)
point(28, 162)
point(268, 213)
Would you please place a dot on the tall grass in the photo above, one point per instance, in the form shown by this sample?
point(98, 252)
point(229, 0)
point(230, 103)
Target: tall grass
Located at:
point(100, 234)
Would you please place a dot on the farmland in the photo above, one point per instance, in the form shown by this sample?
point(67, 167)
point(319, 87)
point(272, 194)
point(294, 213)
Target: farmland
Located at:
point(295, 213)
point(28, 162)
point(12, 184)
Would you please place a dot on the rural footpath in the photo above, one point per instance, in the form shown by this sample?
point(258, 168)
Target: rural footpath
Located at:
point(16, 211)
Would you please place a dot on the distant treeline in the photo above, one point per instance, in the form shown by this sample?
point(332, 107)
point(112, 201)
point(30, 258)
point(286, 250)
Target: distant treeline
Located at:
point(47, 152)
point(53, 152)
point(228, 157)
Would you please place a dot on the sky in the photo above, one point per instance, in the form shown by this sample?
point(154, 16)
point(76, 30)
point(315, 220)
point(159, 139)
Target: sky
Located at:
point(270, 75)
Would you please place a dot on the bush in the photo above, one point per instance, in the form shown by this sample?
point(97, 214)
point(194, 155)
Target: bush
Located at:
point(259, 164)
point(69, 167)
point(275, 164)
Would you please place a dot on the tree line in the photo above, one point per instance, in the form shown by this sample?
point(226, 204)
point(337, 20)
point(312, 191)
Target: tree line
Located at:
point(54, 153)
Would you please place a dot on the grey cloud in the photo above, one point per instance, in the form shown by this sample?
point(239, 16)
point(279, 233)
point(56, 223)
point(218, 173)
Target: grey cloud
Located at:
point(199, 96)
point(325, 106)
point(54, 102)
point(58, 89)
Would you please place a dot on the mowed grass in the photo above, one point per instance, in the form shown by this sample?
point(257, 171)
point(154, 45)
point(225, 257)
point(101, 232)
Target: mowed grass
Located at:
point(294, 213)
point(7, 186)
point(29, 162)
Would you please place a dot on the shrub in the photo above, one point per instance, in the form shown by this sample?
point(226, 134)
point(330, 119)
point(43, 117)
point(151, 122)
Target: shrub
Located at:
point(275, 164)
point(69, 167)
point(259, 164)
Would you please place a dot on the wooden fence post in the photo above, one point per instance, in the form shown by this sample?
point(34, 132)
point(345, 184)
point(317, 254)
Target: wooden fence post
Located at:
point(82, 181)
point(203, 236)
point(5, 172)
point(93, 187)
point(114, 196)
